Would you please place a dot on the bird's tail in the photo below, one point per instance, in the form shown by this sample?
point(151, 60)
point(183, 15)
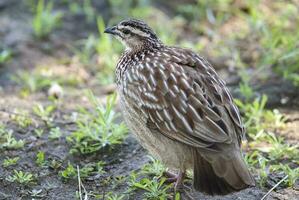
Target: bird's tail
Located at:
point(218, 175)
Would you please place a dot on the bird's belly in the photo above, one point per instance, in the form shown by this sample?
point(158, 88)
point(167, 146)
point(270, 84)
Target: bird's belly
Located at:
point(173, 154)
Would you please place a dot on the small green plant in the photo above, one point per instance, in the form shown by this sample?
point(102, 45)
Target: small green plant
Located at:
point(7, 141)
point(10, 161)
point(293, 174)
point(40, 159)
point(86, 170)
point(86, 49)
point(89, 11)
point(37, 194)
point(252, 158)
point(111, 196)
point(22, 118)
point(45, 112)
point(54, 164)
point(257, 118)
point(279, 149)
point(55, 133)
point(21, 177)
point(100, 167)
point(263, 170)
point(246, 91)
point(45, 20)
point(30, 82)
point(97, 129)
point(39, 132)
point(69, 172)
point(155, 189)
point(155, 167)
point(5, 55)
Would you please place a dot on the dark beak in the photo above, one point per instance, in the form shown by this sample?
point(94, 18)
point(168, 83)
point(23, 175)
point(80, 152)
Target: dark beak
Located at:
point(110, 30)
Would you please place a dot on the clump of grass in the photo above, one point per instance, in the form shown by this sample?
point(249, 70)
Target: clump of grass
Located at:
point(97, 129)
point(21, 177)
point(269, 149)
point(10, 161)
point(258, 119)
point(22, 118)
point(278, 38)
point(40, 159)
point(45, 20)
point(55, 133)
point(69, 172)
point(102, 47)
point(154, 167)
point(86, 49)
point(5, 55)
point(291, 173)
point(41, 79)
point(7, 141)
point(89, 169)
point(30, 82)
point(45, 113)
point(154, 189)
point(150, 179)
point(278, 149)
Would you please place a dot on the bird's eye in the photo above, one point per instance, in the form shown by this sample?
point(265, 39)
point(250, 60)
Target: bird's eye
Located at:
point(126, 31)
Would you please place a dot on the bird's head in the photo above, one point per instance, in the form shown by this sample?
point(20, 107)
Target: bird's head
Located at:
point(134, 34)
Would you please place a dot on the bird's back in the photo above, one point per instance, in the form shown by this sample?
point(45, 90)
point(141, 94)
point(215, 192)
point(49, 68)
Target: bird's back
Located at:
point(180, 96)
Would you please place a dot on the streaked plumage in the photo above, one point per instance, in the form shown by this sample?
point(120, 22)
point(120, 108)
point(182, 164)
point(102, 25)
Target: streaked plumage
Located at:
point(180, 110)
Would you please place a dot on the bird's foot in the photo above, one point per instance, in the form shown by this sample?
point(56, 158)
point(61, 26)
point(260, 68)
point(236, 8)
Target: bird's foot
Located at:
point(177, 179)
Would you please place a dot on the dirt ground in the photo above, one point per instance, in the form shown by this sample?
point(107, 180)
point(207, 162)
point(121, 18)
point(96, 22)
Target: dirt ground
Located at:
point(16, 33)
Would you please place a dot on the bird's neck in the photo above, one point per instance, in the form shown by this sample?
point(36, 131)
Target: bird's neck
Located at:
point(146, 45)
point(132, 56)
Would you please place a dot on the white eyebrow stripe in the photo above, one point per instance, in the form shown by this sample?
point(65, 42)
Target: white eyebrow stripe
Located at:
point(134, 30)
point(120, 26)
point(139, 32)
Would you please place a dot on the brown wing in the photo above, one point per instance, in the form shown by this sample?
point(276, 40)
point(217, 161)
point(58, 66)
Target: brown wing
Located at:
point(182, 97)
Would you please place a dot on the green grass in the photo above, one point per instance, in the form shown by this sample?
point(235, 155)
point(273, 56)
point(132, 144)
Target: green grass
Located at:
point(96, 128)
point(45, 114)
point(154, 189)
point(5, 55)
point(154, 167)
point(269, 149)
point(55, 133)
point(21, 177)
point(69, 172)
point(22, 118)
point(10, 161)
point(45, 20)
point(42, 78)
point(258, 118)
point(201, 26)
point(40, 159)
point(8, 141)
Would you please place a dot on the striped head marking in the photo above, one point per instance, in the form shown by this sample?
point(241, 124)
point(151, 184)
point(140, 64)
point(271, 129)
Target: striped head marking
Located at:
point(133, 33)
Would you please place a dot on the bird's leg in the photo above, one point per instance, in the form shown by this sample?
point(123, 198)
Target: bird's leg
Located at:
point(177, 179)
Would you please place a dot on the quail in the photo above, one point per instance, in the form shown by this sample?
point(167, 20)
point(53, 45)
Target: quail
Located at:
point(180, 110)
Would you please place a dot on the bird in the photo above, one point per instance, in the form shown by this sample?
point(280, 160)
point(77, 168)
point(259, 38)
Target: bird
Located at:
point(180, 110)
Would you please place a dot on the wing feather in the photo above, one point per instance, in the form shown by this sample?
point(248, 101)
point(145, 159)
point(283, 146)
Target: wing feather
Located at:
point(184, 99)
